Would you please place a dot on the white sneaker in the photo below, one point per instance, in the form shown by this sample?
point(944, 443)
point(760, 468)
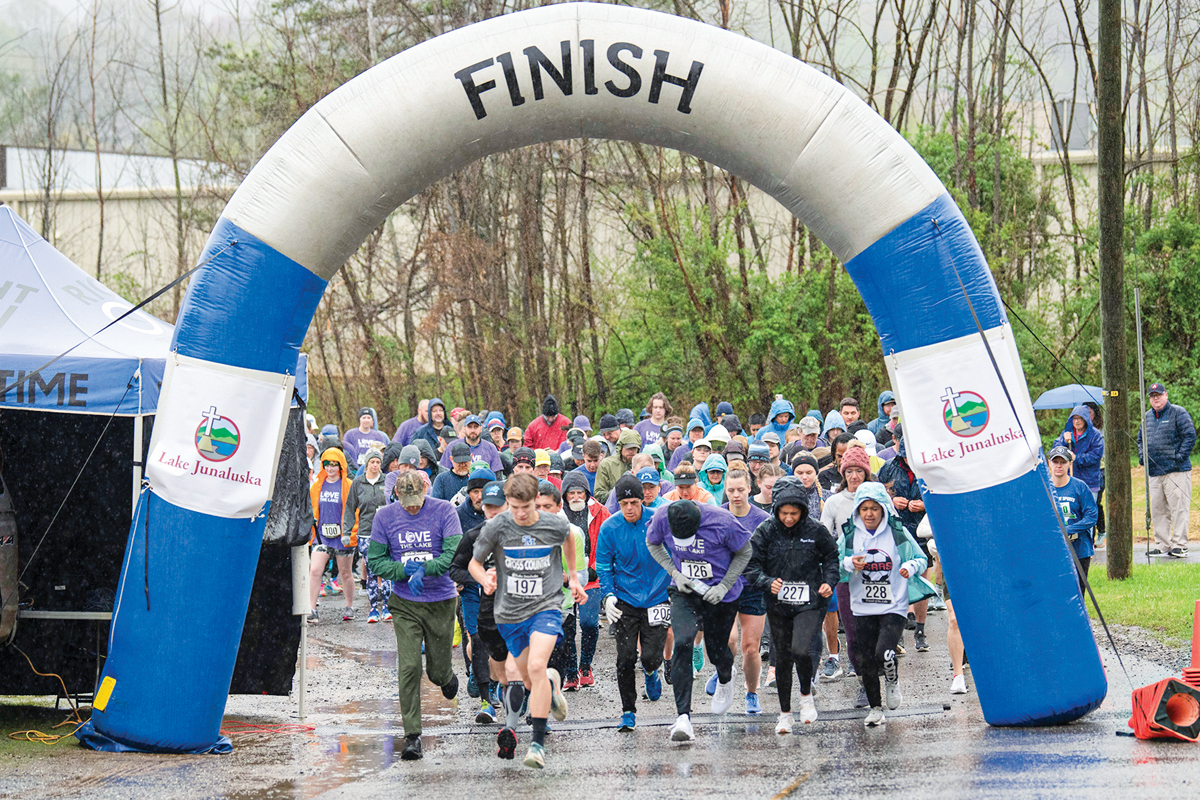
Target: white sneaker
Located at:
point(723, 697)
point(893, 695)
point(874, 718)
point(558, 703)
point(785, 723)
point(959, 686)
point(808, 709)
point(681, 731)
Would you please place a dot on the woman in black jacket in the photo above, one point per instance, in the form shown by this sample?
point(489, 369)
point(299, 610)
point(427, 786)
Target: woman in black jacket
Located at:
point(795, 559)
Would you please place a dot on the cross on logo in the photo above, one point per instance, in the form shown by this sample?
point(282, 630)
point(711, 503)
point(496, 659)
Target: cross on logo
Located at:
point(951, 397)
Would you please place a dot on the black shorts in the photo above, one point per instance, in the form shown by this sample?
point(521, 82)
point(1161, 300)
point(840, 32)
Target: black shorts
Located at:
point(752, 602)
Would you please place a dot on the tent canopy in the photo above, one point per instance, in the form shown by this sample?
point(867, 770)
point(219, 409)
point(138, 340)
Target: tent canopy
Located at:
point(1069, 396)
point(48, 306)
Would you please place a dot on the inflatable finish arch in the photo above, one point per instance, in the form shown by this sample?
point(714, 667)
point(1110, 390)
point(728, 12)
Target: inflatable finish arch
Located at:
point(605, 72)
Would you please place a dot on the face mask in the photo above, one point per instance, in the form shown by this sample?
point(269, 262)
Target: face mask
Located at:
point(577, 505)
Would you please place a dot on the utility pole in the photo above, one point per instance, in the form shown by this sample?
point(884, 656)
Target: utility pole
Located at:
point(1111, 163)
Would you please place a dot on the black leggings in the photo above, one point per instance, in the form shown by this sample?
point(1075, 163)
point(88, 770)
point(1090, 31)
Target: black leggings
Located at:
point(876, 637)
point(793, 637)
point(632, 627)
point(688, 614)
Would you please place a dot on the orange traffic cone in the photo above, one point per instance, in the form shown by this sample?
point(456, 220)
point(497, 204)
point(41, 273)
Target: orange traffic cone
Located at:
point(1171, 708)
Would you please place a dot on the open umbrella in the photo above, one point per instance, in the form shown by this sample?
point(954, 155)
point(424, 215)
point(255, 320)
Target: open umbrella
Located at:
point(1069, 396)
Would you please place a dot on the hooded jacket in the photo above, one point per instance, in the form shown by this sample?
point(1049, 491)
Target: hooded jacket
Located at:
point(805, 553)
point(717, 490)
point(700, 411)
point(880, 422)
point(1088, 447)
point(543, 435)
point(614, 467)
point(1171, 436)
point(427, 431)
point(832, 420)
point(430, 453)
point(314, 495)
point(855, 538)
point(595, 514)
point(780, 406)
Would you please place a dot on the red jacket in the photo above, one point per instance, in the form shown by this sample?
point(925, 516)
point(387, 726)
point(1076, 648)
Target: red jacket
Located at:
point(597, 513)
point(547, 437)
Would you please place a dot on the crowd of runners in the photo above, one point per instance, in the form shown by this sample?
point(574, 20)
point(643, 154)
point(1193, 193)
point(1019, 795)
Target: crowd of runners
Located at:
point(776, 539)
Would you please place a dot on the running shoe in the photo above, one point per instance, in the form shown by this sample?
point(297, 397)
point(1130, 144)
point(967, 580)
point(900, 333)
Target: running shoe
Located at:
point(710, 688)
point(494, 697)
point(808, 709)
point(506, 743)
point(723, 697)
point(558, 703)
point(1155, 552)
point(535, 757)
point(314, 616)
point(784, 725)
point(1184, 549)
point(697, 658)
point(681, 731)
point(921, 642)
point(628, 721)
point(936, 603)
point(373, 617)
point(335, 587)
point(874, 717)
point(832, 669)
point(653, 685)
point(771, 681)
point(486, 714)
point(324, 590)
point(1177, 552)
point(586, 678)
point(667, 667)
point(752, 706)
point(911, 623)
point(900, 650)
point(571, 683)
point(861, 701)
point(412, 748)
point(958, 685)
point(892, 694)
point(348, 614)
point(472, 687)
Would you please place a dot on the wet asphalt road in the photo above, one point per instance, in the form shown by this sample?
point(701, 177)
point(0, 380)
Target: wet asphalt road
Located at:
point(936, 746)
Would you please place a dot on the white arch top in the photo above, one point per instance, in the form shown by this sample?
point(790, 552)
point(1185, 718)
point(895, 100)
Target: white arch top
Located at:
point(623, 73)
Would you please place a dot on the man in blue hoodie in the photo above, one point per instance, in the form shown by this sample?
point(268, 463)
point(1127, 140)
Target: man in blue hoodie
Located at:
point(779, 419)
point(887, 401)
point(634, 588)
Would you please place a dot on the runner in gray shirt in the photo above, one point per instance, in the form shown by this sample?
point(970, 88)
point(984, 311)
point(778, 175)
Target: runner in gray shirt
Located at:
point(528, 562)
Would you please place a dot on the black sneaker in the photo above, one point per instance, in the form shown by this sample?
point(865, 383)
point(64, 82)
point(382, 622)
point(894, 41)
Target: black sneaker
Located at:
point(506, 743)
point(1177, 552)
point(412, 748)
point(921, 643)
point(667, 670)
point(911, 623)
point(450, 690)
point(1155, 552)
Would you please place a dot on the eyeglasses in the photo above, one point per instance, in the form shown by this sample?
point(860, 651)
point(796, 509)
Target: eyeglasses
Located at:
point(330, 464)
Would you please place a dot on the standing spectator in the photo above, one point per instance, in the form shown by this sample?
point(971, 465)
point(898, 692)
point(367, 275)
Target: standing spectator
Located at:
point(549, 430)
point(1170, 437)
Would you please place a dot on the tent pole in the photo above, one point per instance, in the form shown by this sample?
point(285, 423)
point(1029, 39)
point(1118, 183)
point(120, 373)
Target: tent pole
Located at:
point(138, 422)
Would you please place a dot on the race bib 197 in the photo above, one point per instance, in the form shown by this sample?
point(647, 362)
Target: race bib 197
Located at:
point(519, 586)
point(697, 570)
point(794, 593)
point(659, 615)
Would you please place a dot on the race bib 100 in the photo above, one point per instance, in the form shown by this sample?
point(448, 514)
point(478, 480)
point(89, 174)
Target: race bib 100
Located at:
point(697, 570)
point(331, 531)
point(659, 615)
point(793, 593)
point(519, 586)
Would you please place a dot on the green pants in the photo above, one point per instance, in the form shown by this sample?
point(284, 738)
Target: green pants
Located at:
point(433, 624)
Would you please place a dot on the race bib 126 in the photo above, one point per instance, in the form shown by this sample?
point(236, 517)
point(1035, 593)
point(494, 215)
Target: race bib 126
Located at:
point(697, 570)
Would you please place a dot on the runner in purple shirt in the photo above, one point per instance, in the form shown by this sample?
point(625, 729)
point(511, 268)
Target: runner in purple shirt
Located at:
point(705, 549)
point(358, 441)
point(481, 449)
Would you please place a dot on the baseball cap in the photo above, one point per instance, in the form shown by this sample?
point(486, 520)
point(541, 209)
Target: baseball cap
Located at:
point(694, 423)
point(771, 436)
point(475, 418)
point(628, 488)
point(648, 475)
point(447, 432)
point(583, 423)
point(514, 433)
point(809, 425)
point(460, 453)
point(541, 458)
point(493, 493)
point(895, 413)
point(458, 412)
point(1156, 388)
point(577, 453)
point(494, 423)
point(480, 478)
point(608, 423)
point(524, 455)
point(688, 479)
point(364, 412)
point(410, 489)
point(556, 463)
point(1060, 452)
point(625, 416)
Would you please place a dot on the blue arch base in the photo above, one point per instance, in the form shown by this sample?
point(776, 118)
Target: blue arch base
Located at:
point(1033, 656)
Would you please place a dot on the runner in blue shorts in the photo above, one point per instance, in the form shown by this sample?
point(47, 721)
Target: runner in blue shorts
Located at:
point(528, 548)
